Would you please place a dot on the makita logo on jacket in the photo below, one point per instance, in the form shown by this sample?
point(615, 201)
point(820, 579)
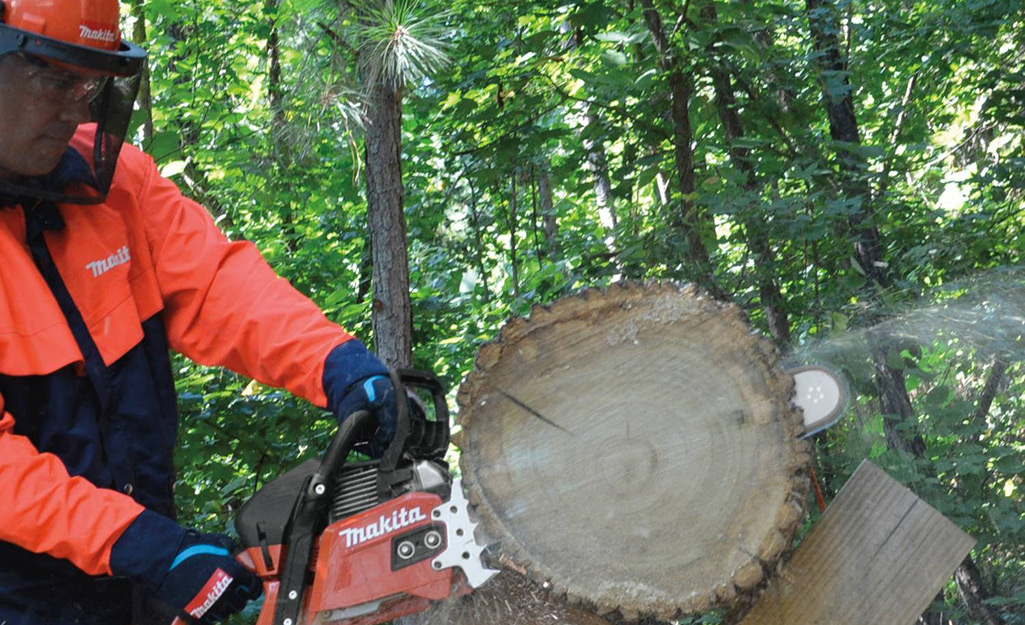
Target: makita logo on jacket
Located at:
point(99, 267)
point(382, 527)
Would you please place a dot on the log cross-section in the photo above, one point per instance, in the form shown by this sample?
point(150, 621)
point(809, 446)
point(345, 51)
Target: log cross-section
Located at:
point(635, 448)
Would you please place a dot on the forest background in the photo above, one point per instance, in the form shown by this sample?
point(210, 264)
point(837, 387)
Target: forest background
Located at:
point(849, 172)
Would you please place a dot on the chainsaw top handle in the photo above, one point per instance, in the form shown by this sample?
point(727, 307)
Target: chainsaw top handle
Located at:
point(414, 434)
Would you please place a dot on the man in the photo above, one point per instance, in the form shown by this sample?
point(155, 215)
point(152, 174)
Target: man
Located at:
point(104, 266)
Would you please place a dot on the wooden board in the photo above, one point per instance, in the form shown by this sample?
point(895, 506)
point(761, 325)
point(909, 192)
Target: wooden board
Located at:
point(636, 449)
point(878, 556)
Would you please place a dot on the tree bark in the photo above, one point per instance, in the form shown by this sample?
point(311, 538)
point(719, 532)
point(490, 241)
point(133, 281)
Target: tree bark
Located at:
point(765, 258)
point(549, 219)
point(974, 593)
point(843, 128)
point(513, 222)
point(392, 308)
point(968, 576)
point(281, 152)
point(599, 166)
point(478, 235)
point(689, 219)
point(145, 98)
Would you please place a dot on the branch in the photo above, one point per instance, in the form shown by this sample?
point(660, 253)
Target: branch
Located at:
point(753, 95)
point(898, 128)
point(683, 18)
point(338, 39)
point(623, 113)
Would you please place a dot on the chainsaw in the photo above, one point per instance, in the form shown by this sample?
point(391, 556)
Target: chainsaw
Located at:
point(361, 543)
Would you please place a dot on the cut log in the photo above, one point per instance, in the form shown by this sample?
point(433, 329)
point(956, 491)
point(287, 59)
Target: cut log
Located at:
point(636, 449)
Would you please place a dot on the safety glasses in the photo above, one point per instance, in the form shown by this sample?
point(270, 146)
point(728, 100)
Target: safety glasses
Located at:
point(49, 83)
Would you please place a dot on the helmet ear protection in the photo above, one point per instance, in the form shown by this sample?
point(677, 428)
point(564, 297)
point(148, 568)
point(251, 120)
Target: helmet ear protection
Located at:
point(81, 37)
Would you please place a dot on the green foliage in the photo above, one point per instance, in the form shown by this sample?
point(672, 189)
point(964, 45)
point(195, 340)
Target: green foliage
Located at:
point(500, 163)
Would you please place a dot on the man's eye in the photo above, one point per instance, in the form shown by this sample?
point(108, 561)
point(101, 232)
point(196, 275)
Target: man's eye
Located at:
point(55, 83)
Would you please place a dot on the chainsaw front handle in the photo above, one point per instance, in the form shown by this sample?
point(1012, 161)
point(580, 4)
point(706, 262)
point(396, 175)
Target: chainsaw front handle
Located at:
point(308, 516)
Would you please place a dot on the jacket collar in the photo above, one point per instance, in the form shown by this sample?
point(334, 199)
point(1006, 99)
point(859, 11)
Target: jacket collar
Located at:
point(72, 169)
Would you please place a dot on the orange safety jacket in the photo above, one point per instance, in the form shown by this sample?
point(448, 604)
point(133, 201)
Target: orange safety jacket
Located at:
point(91, 297)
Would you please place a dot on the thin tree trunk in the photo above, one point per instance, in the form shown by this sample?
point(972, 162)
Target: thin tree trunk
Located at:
point(689, 219)
point(599, 166)
point(899, 427)
point(145, 98)
point(968, 576)
point(479, 239)
point(843, 128)
point(549, 220)
point(513, 221)
point(765, 258)
point(974, 593)
point(392, 308)
point(282, 153)
point(535, 216)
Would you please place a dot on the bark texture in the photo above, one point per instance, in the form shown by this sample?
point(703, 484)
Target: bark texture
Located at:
point(765, 258)
point(549, 218)
point(392, 310)
point(688, 217)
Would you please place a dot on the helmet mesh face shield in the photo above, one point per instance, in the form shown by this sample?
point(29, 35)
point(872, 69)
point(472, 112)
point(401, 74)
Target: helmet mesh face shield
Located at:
point(53, 71)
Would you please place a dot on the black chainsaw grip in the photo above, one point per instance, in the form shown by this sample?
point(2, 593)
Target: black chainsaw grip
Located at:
point(405, 440)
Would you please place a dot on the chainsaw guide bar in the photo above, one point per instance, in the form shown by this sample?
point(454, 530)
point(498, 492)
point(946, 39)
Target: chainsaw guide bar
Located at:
point(636, 450)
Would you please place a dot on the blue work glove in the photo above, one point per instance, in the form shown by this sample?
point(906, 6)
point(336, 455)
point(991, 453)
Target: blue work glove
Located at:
point(355, 379)
point(194, 573)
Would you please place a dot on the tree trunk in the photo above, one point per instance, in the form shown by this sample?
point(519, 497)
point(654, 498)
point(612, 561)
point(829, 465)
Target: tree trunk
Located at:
point(765, 258)
point(898, 421)
point(968, 576)
point(478, 235)
point(145, 98)
point(599, 166)
point(689, 219)
point(974, 593)
point(281, 151)
point(392, 310)
point(843, 128)
point(549, 219)
point(513, 222)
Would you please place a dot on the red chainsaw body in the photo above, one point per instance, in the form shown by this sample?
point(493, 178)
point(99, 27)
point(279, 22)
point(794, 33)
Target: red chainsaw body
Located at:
point(358, 578)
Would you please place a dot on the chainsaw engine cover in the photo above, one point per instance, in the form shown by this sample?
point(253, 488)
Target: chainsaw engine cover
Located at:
point(378, 554)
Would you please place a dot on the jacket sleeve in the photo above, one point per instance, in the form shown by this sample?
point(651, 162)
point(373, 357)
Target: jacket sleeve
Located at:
point(44, 510)
point(224, 305)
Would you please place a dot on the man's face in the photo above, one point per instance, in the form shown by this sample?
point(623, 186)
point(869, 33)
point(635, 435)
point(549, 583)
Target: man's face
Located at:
point(40, 108)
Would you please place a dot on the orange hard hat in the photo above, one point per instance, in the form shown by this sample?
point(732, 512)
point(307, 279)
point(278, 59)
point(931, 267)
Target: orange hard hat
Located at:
point(92, 23)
